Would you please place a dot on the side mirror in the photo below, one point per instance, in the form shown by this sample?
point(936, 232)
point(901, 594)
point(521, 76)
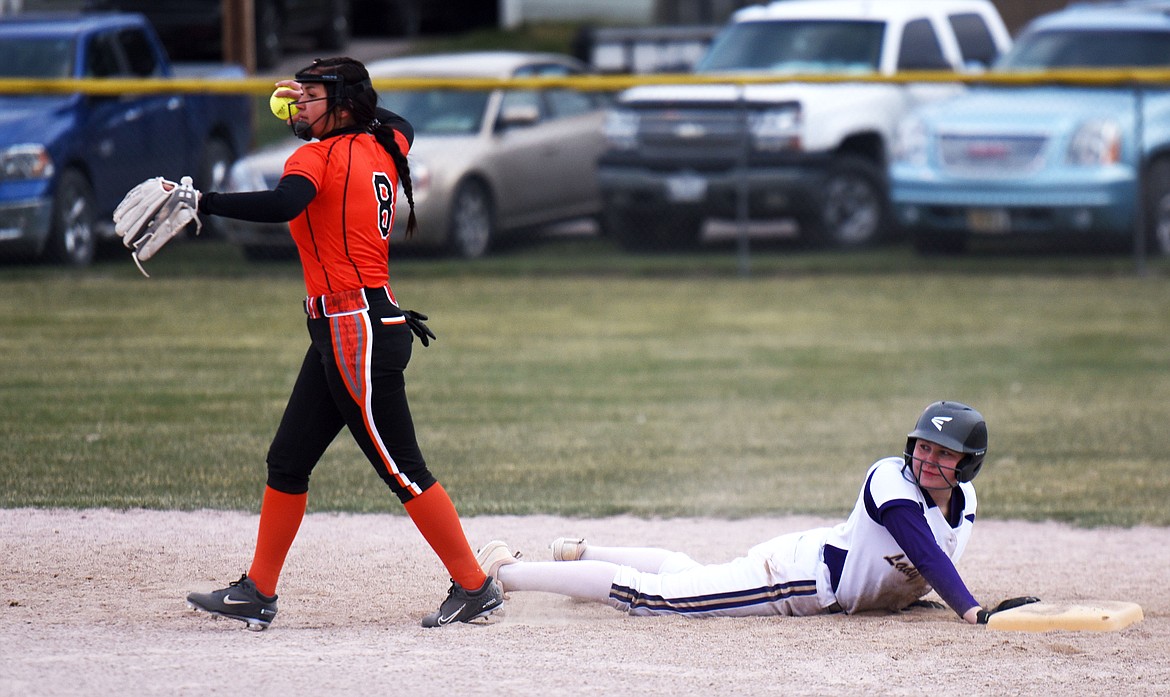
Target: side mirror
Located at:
point(517, 115)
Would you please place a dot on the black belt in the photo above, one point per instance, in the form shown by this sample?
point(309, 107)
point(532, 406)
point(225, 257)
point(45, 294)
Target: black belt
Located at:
point(346, 302)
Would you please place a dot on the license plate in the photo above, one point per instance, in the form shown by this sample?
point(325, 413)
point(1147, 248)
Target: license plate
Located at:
point(686, 188)
point(989, 221)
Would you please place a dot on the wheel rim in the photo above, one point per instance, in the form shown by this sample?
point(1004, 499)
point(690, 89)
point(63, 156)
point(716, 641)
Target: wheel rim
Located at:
point(77, 239)
point(472, 223)
point(78, 233)
point(852, 210)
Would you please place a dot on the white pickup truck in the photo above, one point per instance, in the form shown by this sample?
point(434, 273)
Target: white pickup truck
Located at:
point(680, 155)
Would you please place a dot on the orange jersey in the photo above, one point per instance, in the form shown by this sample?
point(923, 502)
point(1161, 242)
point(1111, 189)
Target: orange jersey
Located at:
point(343, 235)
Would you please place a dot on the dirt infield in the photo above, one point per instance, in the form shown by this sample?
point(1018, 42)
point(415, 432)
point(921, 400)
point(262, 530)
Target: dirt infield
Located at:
point(92, 604)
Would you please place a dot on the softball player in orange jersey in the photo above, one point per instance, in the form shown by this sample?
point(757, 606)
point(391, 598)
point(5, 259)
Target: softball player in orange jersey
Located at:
point(338, 193)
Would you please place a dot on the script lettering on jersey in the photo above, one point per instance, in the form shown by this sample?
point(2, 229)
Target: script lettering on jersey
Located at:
point(898, 561)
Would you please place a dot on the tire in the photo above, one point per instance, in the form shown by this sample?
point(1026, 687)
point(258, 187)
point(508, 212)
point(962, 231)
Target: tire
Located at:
point(214, 166)
point(1157, 203)
point(335, 31)
point(938, 242)
point(472, 224)
point(853, 210)
point(72, 238)
point(269, 35)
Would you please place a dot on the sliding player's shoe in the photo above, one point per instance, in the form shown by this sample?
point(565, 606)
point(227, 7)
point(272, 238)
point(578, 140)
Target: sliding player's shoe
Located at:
point(567, 548)
point(492, 556)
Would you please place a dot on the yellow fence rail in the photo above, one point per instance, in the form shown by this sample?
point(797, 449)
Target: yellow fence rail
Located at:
point(600, 83)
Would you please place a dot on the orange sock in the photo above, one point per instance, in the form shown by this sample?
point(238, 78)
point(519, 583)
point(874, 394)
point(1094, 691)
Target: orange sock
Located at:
point(280, 518)
point(435, 517)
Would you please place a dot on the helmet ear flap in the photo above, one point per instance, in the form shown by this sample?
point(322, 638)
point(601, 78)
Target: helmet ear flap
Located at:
point(968, 468)
point(908, 453)
point(976, 447)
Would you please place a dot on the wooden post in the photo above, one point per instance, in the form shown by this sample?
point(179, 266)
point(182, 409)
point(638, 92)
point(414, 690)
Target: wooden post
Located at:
point(239, 33)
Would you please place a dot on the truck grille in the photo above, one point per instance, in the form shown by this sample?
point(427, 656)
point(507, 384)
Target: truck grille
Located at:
point(710, 137)
point(991, 155)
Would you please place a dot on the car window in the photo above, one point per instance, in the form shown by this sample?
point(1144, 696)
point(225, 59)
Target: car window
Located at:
point(438, 112)
point(920, 48)
point(796, 46)
point(38, 58)
point(566, 102)
point(1088, 49)
point(975, 40)
point(544, 70)
point(102, 59)
point(139, 53)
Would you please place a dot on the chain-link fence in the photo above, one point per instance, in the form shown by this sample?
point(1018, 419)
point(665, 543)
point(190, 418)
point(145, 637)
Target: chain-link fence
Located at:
point(730, 208)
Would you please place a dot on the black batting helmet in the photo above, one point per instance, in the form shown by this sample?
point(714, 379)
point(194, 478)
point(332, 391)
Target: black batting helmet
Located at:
point(957, 427)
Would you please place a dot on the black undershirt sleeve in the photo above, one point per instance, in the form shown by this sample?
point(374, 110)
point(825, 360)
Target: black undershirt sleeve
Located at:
point(280, 205)
point(290, 196)
point(396, 122)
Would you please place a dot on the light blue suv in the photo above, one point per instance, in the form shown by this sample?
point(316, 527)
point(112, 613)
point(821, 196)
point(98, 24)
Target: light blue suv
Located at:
point(1051, 161)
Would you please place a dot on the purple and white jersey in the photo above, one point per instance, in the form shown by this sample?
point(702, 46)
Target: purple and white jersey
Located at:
point(869, 570)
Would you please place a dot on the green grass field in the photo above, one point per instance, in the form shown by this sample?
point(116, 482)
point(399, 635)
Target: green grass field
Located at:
point(571, 379)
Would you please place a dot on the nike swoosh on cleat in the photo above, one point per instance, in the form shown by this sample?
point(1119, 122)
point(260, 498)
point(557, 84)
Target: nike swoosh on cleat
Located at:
point(447, 620)
point(229, 600)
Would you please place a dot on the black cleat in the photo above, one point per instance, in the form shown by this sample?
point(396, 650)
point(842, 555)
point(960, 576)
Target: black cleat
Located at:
point(239, 601)
point(464, 606)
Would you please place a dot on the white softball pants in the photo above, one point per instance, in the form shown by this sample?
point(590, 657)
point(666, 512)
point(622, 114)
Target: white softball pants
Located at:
point(776, 578)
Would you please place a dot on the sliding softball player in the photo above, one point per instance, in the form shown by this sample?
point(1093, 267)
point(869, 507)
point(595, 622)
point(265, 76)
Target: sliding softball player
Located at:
point(911, 523)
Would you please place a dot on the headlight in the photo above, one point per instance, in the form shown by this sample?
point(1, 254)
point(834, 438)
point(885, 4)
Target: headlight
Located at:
point(910, 140)
point(1096, 142)
point(244, 176)
point(621, 129)
point(776, 130)
point(25, 161)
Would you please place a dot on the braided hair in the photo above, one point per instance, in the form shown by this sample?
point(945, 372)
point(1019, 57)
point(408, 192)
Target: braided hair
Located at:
point(355, 93)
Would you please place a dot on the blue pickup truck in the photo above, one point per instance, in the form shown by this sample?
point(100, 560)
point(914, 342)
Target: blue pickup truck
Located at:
point(66, 160)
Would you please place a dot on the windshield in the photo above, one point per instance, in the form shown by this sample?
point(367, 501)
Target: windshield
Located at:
point(792, 46)
point(36, 57)
point(1088, 49)
point(438, 112)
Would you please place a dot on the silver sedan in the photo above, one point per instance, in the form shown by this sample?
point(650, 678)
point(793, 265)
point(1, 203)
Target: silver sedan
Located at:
point(484, 162)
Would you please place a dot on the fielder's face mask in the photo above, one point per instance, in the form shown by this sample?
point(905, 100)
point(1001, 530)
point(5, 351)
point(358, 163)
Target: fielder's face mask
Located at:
point(337, 92)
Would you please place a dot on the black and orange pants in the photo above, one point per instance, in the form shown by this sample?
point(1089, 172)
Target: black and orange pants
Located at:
point(352, 375)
